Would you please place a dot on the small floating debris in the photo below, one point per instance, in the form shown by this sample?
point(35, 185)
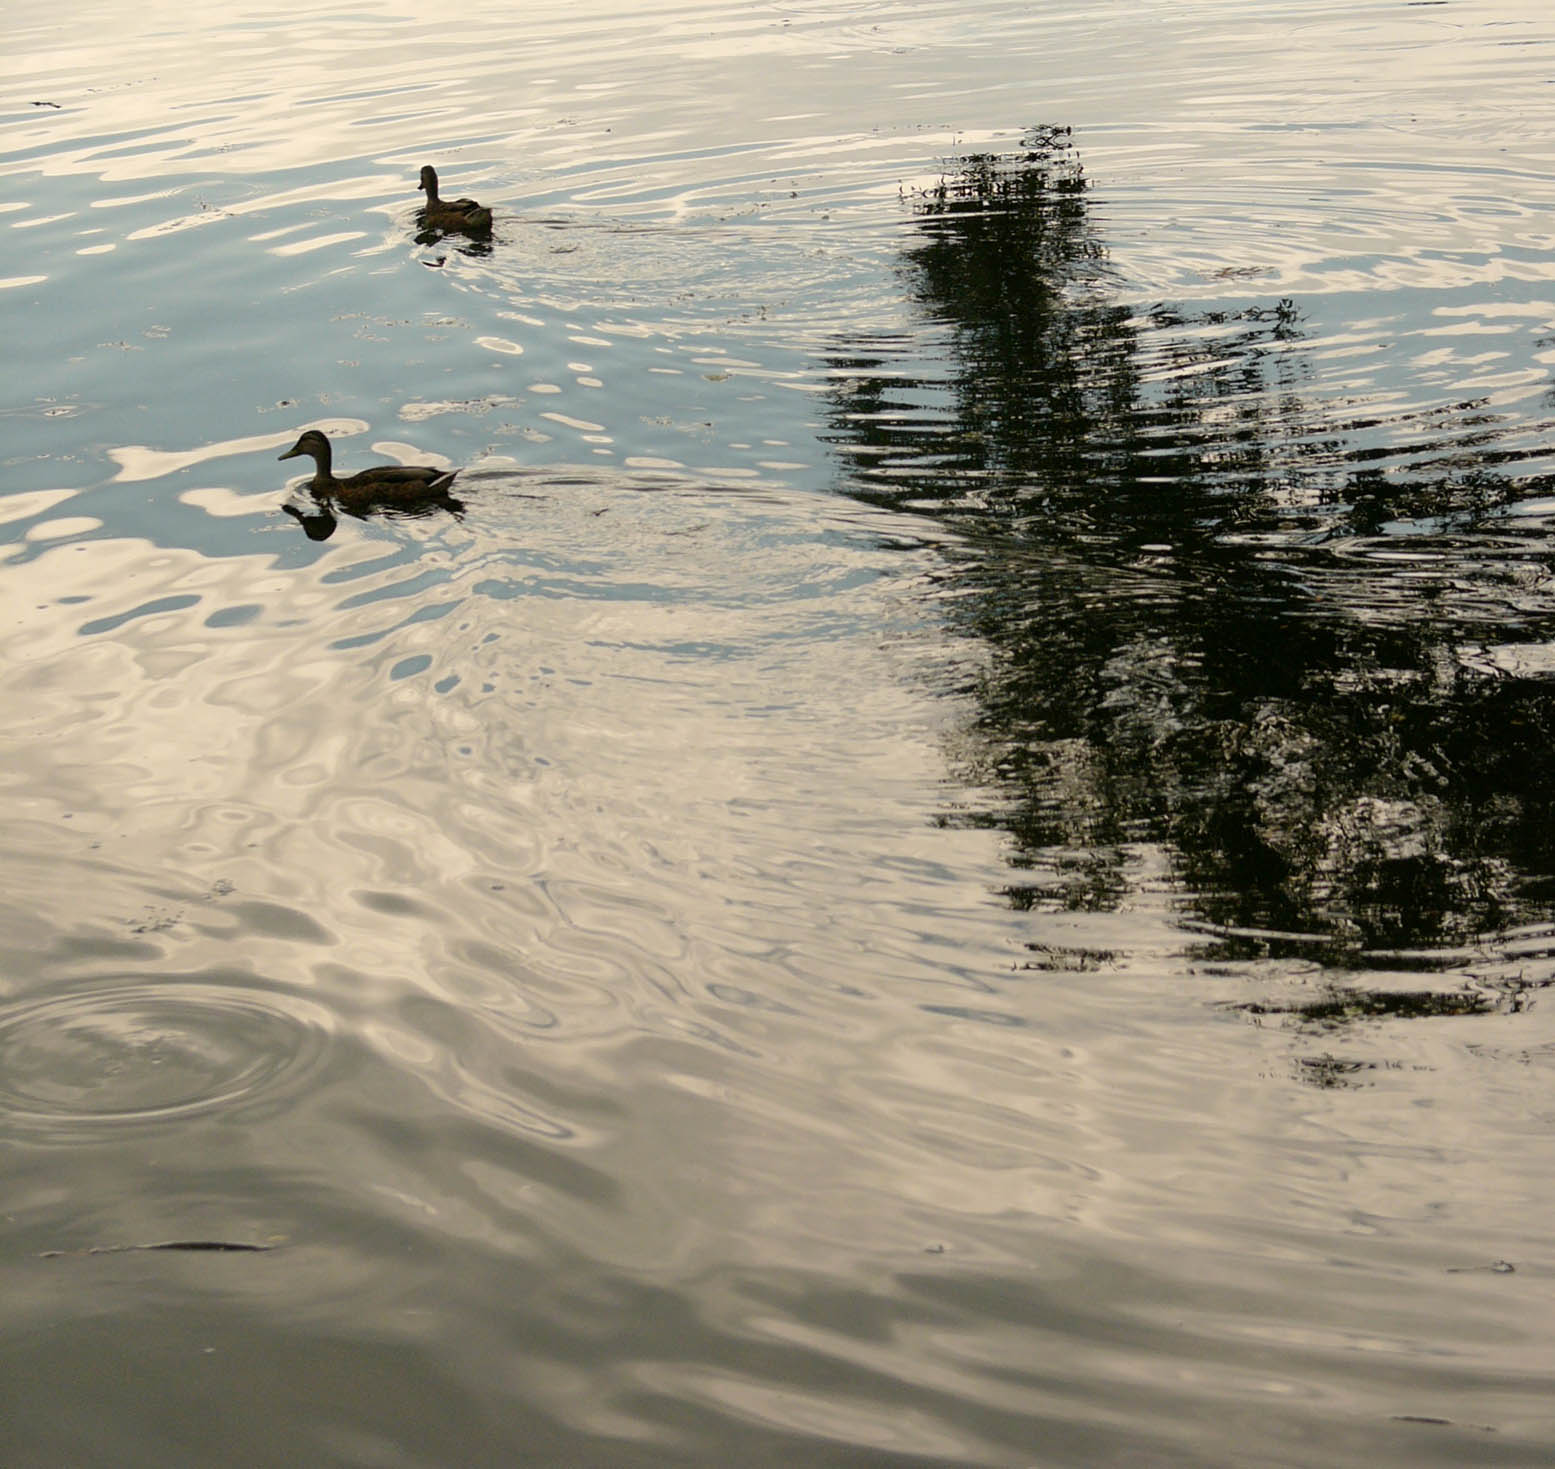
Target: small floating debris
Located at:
point(236, 1246)
point(1441, 1422)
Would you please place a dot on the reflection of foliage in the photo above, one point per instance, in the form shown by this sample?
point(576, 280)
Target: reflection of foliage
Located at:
point(1336, 1007)
point(1001, 241)
point(1329, 1073)
point(1188, 646)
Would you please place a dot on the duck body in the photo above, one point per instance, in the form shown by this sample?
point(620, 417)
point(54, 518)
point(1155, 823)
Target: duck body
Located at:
point(409, 488)
point(451, 214)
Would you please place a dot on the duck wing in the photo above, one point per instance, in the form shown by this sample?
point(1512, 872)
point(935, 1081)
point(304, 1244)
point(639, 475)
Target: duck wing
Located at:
point(461, 214)
point(402, 478)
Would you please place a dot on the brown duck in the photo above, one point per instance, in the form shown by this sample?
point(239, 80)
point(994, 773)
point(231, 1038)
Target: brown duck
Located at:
point(408, 488)
point(451, 214)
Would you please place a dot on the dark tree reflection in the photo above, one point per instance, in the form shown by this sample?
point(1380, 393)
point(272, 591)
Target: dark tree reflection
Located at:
point(1218, 617)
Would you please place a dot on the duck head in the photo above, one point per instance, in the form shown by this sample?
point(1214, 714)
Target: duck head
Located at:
point(313, 444)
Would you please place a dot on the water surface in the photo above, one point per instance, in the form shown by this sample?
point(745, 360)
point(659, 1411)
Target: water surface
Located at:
point(950, 861)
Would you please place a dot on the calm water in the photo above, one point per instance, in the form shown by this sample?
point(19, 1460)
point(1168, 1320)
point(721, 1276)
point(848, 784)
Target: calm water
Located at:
point(953, 862)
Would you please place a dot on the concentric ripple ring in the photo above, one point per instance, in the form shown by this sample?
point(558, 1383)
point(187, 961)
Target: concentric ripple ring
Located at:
point(91, 1058)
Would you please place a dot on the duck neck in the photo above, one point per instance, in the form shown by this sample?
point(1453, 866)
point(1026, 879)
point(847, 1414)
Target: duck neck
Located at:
point(323, 465)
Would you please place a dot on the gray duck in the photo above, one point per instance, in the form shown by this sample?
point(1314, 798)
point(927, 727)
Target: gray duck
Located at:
point(451, 214)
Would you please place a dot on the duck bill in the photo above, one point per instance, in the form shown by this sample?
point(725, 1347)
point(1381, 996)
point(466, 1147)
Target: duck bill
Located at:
point(291, 453)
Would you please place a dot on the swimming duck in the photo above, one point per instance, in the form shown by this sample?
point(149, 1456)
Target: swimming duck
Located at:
point(451, 214)
point(409, 488)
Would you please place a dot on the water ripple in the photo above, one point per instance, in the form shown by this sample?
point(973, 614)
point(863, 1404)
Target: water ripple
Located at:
point(90, 1060)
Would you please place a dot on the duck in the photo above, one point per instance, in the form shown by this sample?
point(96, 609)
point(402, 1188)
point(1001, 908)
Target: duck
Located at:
point(451, 214)
point(411, 489)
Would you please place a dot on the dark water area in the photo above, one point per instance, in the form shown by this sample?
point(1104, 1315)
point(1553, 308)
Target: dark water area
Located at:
point(1302, 650)
point(944, 859)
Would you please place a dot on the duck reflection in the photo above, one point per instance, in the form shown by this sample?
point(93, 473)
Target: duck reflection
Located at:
point(475, 249)
point(383, 489)
point(318, 521)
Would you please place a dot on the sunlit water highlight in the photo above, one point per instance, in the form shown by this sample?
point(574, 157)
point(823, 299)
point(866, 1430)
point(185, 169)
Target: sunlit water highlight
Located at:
point(950, 861)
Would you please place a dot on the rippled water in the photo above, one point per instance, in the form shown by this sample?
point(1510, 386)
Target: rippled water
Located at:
point(950, 862)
